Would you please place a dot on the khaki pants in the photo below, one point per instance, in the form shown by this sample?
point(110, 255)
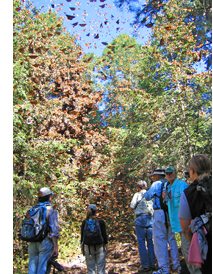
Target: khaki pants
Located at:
point(185, 245)
point(95, 257)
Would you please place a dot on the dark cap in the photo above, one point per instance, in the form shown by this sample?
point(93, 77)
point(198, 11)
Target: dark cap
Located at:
point(92, 207)
point(159, 171)
point(170, 169)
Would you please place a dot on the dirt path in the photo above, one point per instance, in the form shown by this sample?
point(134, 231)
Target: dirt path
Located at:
point(121, 258)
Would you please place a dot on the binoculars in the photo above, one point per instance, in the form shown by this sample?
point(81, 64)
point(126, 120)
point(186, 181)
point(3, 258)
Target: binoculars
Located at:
point(55, 264)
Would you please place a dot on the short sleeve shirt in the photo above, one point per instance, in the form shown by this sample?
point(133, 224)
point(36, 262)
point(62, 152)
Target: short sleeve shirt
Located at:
point(184, 210)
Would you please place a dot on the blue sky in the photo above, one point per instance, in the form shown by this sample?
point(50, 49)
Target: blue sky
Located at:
point(106, 22)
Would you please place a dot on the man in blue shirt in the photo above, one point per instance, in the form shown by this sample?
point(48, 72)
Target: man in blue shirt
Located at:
point(172, 195)
point(162, 231)
point(40, 252)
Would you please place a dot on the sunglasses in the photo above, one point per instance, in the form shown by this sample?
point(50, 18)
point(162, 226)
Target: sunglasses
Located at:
point(169, 173)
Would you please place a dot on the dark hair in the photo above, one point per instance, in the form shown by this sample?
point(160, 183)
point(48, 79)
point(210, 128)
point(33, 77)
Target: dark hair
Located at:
point(201, 165)
point(90, 213)
point(44, 198)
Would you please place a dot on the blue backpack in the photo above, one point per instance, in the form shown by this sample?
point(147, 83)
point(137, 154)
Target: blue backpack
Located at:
point(35, 225)
point(92, 233)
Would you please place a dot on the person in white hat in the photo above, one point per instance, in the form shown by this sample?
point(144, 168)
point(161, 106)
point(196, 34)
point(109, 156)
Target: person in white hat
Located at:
point(162, 231)
point(40, 252)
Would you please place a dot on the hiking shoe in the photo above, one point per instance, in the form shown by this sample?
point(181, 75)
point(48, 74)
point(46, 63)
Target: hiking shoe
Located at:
point(152, 267)
point(143, 270)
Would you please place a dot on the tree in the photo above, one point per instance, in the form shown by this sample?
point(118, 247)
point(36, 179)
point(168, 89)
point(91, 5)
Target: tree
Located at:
point(197, 11)
point(166, 107)
point(54, 143)
point(169, 119)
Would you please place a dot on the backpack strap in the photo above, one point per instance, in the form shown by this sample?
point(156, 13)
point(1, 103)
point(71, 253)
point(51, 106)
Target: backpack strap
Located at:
point(49, 207)
point(162, 204)
point(138, 202)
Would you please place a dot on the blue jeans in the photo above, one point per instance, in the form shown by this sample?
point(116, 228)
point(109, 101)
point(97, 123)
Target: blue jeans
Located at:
point(143, 226)
point(39, 254)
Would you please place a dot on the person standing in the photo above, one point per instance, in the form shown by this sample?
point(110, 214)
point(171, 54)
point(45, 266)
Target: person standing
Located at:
point(172, 195)
point(94, 241)
point(40, 252)
point(143, 225)
point(162, 231)
point(193, 204)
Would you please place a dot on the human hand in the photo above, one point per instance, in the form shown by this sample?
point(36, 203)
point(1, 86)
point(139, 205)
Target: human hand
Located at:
point(55, 252)
point(164, 193)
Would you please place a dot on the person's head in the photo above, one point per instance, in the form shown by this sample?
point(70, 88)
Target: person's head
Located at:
point(142, 185)
point(91, 211)
point(171, 174)
point(199, 167)
point(159, 173)
point(44, 195)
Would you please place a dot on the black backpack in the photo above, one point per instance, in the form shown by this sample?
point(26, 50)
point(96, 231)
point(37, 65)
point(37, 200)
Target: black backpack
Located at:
point(92, 233)
point(205, 188)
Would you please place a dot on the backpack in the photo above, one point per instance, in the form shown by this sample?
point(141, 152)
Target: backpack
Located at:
point(92, 233)
point(205, 188)
point(149, 205)
point(35, 225)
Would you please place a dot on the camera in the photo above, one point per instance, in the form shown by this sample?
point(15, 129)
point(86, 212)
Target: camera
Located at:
point(54, 263)
point(186, 173)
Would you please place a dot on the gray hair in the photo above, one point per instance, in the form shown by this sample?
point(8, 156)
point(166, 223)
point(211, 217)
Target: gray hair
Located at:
point(201, 165)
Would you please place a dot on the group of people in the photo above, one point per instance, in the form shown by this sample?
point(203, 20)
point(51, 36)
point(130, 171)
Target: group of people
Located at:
point(175, 205)
point(166, 208)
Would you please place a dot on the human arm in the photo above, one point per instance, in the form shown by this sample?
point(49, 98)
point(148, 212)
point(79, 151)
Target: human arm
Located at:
point(185, 228)
point(82, 230)
point(103, 231)
point(134, 201)
point(185, 217)
point(53, 233)
point(149, 195)
point(55, 244)
point(164, 194)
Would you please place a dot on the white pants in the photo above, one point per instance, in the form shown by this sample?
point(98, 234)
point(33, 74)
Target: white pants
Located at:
point(95, 256)
point(162, 236)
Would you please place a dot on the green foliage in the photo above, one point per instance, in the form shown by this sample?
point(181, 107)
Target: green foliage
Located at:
point(157, 113)
point(54, 145)
point(197, 11)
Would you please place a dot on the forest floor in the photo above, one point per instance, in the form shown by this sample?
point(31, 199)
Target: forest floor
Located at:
point(121, 258)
